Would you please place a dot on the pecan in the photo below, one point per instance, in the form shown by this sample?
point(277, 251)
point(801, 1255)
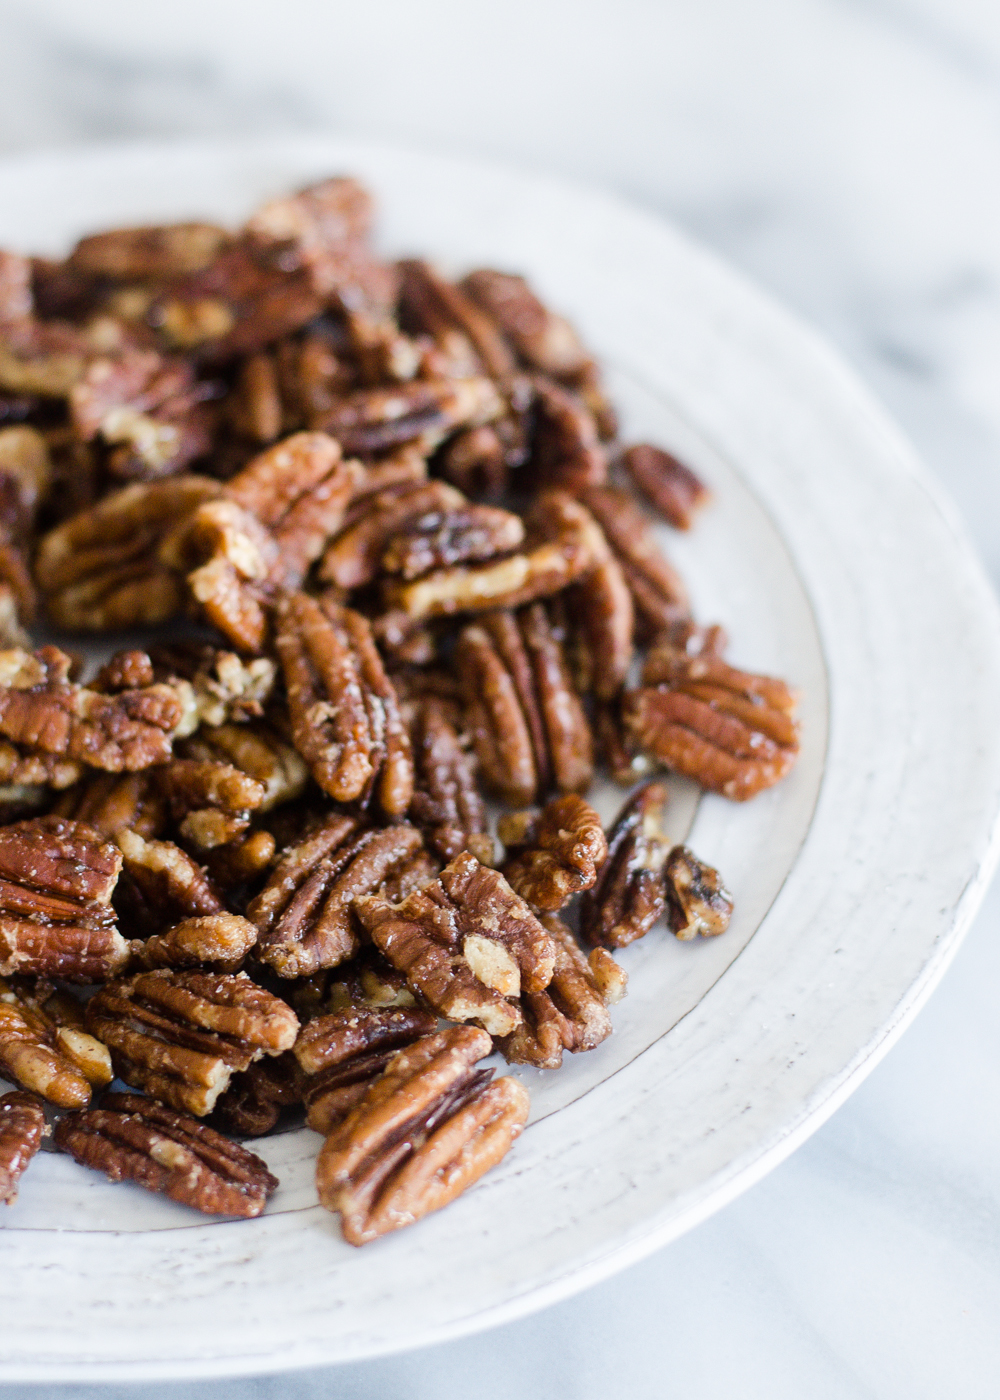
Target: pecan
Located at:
point(219, 942)
point(43, 712)
point(253, 1103)
point(22, 1127)
point(224, 688)
point(111, 565)
point(131, 1139)
point(382, 353)
point(731, 731)
point(367, 421)
point(476, 460)
point(315, 928)
point(431, 306)
point(666, 483)
point(604, 620)
point(571, 1013)
point(180, 1036)
point(569, 741)
point(254, 407)
point(617, 749)
point(16, 301)
point(446, 802)
point(657, 589)
point(25, 480)
point(427, 1129)
point(697, 900)
point(165, 883)
point(234, 555)
point(109, 802)
point(323, 229)
point(238, 862)
point(544, 340)
point(211, 801)
point(321, 839)
point(341, 1054)
point(629, 895)
point(344, 713)
point(56, 919)
point(149, 254)
point(567, 450)
point(39, 1050)
point(256, 751)
point(354, 557)
point(442, 538)
point(553, 854)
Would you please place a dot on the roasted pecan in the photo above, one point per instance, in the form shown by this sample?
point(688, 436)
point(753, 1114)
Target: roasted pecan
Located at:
point(431, 306)
point(657, 589)
point(322, 838)
point(254, 1101)
point(164, 884)
point(341, 1054)
point(180, 1036)
point(109, 802)
point(256, 751)
point(22, 1127)
point(254, 407)
point(382, 353)
point(629, 895)
point(344, 713)
point(697, 900)
point(225, 688)
point(569, 741)
point(46, 1051)
point(603, 616)
point(149, 254)
point(234, 555)
point(442, 538)
point(130, 1138)
point(446, 803)
point(553, 854)
point(427, 1129)
point(114, 565)
point(571, 1013)
point(476, 460)
point(367, 421)
point(56, 919)
point(315, 928)
point(666, 483)
point(218, 942)
point(544, 340)
point(731, 731)
point(323, 229)
point(238, 862)
point(25, 481)
point(567, 450)
point(355, 556)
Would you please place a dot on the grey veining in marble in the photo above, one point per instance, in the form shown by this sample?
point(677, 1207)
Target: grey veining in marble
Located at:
point(844, 153)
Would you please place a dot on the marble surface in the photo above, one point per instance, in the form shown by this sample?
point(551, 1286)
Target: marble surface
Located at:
point(844, 153)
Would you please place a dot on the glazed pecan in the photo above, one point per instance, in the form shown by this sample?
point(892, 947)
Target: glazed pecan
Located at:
point(109, 802)
point(697, 900)
point(129, 1138)
point(553, 854)
point(165, 884)
point(733, 732)
point(567, 450)
point(22, 1127)
point(233, 556)
point(629, 894)
point(341, 1054)
point(115, 564)
point(56, 919)
point(501, 707)
point(367, 421)
point(255, 750)
point(323, 229)
point(446, 802)
point(432, 306)
point(355, 556)
point(43, 712)
point(544, 340)
point(254, 407)
point(568, 738)
point(25, 481)
point(254, 1101)
point(344, 713)
point(571, 1013)
point(46, 1050)
point(427, 1129)
point(666, 483)
point(224, 688)
point(476, 460)
point(149, 254)
point(180, 1036)
point(603, 618)
point(313, 927)
point(439, 539)
point(218, 942)
point(658, 592)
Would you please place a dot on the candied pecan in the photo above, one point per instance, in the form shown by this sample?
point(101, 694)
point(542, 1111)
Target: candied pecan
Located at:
point(476, 460)
point(124, 670)
point(233, 555)
point(112, 565)
point(211, 801)
point(25, 480)
point(165, 883)
point(256, 751)
point(432, 306)
point(254, 407)
point(219, 942)
point(129, 1138)
point(657, 589)
point(418, 870)
point(148, 254)
point(225, 688)
point(446, 802)
point(442, 538)
point(324, 229)
point(180, 1036)
point(344, 713)
point(341, 1054)
point(42, 358)
point(372, 420)
point(315, 928)
point(544, 340)
point(22, 1127)
point(697, 900)
point(501, 709)
point(429, 1127)
point(571, 1013)
point(604, 620)
point(109, 802)
point(238, 862)
point(617, 749)
point(553, 854)
point(367, 981)
point(629, 896)
point(380, 350)
point(666, 483)
point(56, 919)
point(354, 557)
point(253, 1103)
point(567, 450)
point(42, 711)
point(569, 741)
point(731, 731)
point(39, 1050)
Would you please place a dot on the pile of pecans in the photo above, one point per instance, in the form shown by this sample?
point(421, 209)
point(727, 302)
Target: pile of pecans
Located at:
point(247, 871)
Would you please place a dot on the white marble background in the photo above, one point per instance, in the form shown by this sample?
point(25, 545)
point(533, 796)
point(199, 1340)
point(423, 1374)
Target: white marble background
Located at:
point(846, 154)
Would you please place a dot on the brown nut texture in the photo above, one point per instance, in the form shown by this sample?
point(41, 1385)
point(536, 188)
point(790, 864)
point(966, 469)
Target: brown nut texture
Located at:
point(666, 483)
point(166, 883)
point(426, 1130)
point(256, 1097)
point(22, 1127)
point(628, 896)
point(567, 449)
point(355, 556)
point(40, 1051)
point(659, 596)
point(544, 340)
point(180, 1036)
point(216, 942)
point(130, 1138)
point(446, 804)
point(440, 539)
point(553, 854)
point(697, 900)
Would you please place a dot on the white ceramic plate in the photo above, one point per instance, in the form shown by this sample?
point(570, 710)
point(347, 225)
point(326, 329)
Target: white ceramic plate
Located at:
point(832, 563)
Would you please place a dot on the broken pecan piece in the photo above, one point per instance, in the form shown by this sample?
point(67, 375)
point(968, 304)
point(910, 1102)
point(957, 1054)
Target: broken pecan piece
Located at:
point(129, 1138)
point(22, 1127)
point(427, 1129)
point(629, 895)
point(180, 1036)
point(668, 484)
point(254, 1101)
point(697, 900)
point(166, 884)
point(49, 1056)
point(553, 854)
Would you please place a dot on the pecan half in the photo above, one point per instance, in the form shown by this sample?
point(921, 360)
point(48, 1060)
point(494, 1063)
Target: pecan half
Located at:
point(544, 340)
point(571, 1013)
point(22, 1127)
point(731, 731)
point(501, 707)
point(426, 1130)
point(697, 900)
point(355, 556)
point(553, 854)
point(569, 741)
point(151, 253)
point(165, 884)
point(442, 538)
point(131, 1139)
point(180, 1036)
point(341, 1054)
point(254, 1101)
point(603, 617)
point(367, 421)
point(233, 555)
point(218, 942)
point(657, 589)
point(629, 895)
point(44, 1053)
point(666, 483)
point(567, 450)
point(446, 802)
point(432, 306)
